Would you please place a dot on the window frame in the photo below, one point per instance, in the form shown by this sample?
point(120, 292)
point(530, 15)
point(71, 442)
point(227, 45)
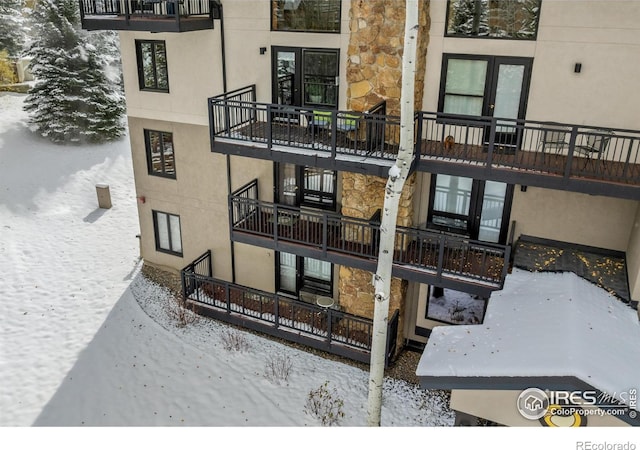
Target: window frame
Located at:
point(471, 36)
point(274, 21)
point(304, 282)
point(156, 229)
point(430, 290)
point(141, 78)
point(300, 196)
point(147, 144)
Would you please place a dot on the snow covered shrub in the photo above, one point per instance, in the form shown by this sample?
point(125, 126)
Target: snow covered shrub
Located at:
point(234, 340)
point(180, 312)
point(278, 367)
point(325, 405)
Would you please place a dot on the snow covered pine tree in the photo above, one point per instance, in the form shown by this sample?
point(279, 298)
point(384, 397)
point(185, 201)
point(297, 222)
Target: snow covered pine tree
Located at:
point(11, 29)
point(73, 100)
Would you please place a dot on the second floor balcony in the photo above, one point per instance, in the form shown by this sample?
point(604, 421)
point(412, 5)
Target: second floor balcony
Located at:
point(148, 15)
point(579, 158)
point(420, 255)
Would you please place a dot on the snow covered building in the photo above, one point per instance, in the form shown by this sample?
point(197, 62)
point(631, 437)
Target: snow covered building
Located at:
point(262, 132)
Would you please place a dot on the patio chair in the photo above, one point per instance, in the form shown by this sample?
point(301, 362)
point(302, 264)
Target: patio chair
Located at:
point(318, 120)
point(594, 145)
point(554, 139)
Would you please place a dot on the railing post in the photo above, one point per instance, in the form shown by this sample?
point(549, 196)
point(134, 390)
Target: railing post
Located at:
point(276, 311)
point(325, 233)
point(572, 145)
point(227, 117)
point(227, 296)
point(269, 126)
point(492, 142)
point(418, 140)
point(127, 11)
point(275, 225)
point(210, 263)
point(329, 321)
point(505, 267)
point(334, 134)
point(441, 248)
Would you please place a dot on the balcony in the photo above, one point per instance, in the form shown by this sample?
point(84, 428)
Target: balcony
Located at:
point(569, 157)
point(148, 15)
point(420, 255)
point(322, 328)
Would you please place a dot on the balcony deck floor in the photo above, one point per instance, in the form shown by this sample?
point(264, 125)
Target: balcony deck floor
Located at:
point(417, 255)
point(548, 163)
point(551, 163)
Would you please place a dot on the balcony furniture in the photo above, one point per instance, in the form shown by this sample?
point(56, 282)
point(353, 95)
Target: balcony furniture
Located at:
point(595, 146)
point(325, 302)
point(553, 139)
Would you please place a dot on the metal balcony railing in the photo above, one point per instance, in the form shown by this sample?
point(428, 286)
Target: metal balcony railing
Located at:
point(147, 15)
point(327, 329)
point(439, 256)
point(549, 154)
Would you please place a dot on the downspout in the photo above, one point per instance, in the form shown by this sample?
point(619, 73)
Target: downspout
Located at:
point(218, 6)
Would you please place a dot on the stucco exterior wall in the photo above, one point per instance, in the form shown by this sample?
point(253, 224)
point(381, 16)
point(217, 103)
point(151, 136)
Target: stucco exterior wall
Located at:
point(573, 217)
point(604, 36)
point(633, 258)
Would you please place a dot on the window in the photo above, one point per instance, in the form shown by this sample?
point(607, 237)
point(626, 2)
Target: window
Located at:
point(454, 307)
point(168, 235)
point(318, 188)
point(475, 208)
point(306, 15)
point(305, 76)
point(506, 19)
point(320, 71)
point(160, 157)
point(152, 66)
point(308, 186)
point(297, 273)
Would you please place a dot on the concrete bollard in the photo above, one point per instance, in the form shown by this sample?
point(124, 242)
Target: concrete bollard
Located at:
point(104, 196)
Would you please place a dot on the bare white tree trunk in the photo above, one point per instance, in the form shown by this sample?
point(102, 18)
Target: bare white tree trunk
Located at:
point(397, 176)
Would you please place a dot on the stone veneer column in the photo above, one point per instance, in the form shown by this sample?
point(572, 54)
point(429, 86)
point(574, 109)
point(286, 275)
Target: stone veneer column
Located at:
point(374, 73)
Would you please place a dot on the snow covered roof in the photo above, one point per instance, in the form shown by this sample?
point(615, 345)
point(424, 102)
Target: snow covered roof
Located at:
point(556, 327)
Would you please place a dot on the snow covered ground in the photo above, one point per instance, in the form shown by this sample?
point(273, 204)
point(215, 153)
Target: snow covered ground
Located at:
point(85, 340)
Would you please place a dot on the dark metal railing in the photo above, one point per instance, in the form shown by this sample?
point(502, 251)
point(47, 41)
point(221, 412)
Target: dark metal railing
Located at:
point(146, 8)
point(542, 148)
point(236, 115)
point(439, 254)
point(606, 154)
point(285, 317)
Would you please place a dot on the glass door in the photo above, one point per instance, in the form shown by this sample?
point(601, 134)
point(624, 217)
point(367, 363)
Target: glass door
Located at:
point(507, 100)
point(286, 76)
point(474, 208)
point(489, 86)
point(305, 77)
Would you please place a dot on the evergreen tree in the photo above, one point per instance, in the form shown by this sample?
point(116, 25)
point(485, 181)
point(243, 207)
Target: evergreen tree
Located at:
point(11, 27)
point(73, 99)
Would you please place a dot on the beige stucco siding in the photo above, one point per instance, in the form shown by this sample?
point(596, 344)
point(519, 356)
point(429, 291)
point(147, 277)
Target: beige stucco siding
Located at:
point(633, 258)
point(604, 36)
point(194, 71)
point(193, 195)
point(573, 217)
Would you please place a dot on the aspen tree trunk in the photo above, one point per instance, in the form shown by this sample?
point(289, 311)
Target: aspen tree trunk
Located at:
point(397, 176)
